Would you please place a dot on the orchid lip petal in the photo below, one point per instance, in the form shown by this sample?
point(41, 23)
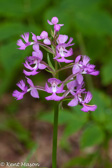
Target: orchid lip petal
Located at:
point(34, 93)
point(87, 108)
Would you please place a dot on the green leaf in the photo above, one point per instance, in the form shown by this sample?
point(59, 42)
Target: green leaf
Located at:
point(92, 135)
point(72, 127)
point(49, 62)
point(82, 161)
point(32, 152)
point(76, 123)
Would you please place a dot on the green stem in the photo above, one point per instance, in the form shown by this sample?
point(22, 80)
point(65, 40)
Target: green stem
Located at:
point(55, 133)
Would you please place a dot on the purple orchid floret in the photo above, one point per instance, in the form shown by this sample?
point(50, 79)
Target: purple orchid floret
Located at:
point(44, 36)
point(21, 44)
point(82, 66)
point(54, 89)
point(61, 51)
point(32, 89)
point(35, 60)
point(54, 21)
point(19, 95)
point(87, 107)
point(77, 90)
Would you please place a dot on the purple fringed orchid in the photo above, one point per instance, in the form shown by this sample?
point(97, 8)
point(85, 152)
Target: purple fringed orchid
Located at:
point(61, 51)
point(83, 67)
point(72, 87)
point(54, 21)
point(21, 44)
point(19, 95)
point(54, 89)
point(35, 60)
point(77, 90)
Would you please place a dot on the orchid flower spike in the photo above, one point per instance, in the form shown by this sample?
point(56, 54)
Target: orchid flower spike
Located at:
point(60, 48)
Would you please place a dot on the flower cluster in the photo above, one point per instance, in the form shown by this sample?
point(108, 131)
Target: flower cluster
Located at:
point(60, 47)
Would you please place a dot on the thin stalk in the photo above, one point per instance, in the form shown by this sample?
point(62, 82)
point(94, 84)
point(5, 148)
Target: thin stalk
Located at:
point(55, 133)
point(55, 126)
point(66, 67)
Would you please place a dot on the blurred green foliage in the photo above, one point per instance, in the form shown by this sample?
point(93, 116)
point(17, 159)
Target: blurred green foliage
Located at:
point(89, 22)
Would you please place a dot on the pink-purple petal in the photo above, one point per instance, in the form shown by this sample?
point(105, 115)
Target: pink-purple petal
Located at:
point(26, 65)
point(21, 44)
point(64, 60)
point(54, 97)
point(62, 39)
point(34, 72)
point(41, 66)
point(51, 80)
point(54, 20)
point(49, 22)
point(29, 81)
point(86, 59)
point(47, 41)
point(34, 37)
point(73, 102)
point(88, 97)
point(78, 58)
point(25, 37)
point(79, 78)
point(60, 89)
point(36, 47)
point(21, 85)
point(87, 108)
point(18, 95)
point(71, 85)
point(48, 89)
point(34, 93)
point(75, 68)
point(95, 73)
